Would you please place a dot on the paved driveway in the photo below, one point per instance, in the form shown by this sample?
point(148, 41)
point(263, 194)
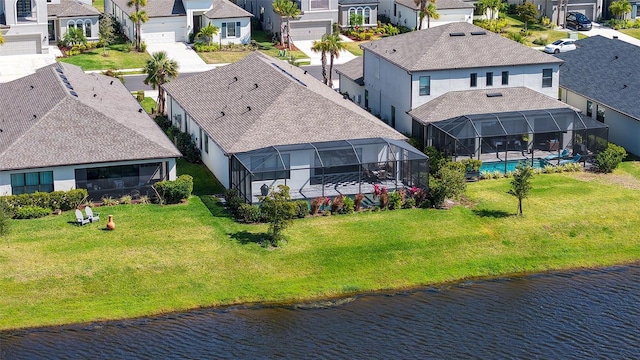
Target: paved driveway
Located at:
point(16, 66)
point(305, 47)
point(186, 57)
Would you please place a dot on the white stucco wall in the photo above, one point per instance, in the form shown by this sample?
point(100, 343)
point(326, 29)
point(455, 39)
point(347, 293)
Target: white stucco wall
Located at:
point(63, 26)
point(356, 92)
point(245, 31)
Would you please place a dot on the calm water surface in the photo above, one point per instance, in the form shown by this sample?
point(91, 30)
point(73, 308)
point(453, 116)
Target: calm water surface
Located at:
point(593, 314)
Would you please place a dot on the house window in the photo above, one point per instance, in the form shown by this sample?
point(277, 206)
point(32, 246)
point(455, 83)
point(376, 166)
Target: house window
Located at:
point(367, 15)
point(395, 9)
point(600, 113)
point(366, 99)
point(23, 7)
point(71, 25)
point(352, 13)
point(489, 78)
point(547, 78)
point(474, 80)
point(270, 167)
point(206, 143)
point(27, 183)
point(230, 30)
point(425, 85)
point(505, 78)
point(200, 138)
point(319, 5)
point(589, 108)
point(393, 116)
point(87, 28)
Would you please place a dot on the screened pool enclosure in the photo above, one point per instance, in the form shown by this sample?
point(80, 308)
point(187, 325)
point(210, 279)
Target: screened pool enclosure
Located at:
point(553, 134)
point(329, 169)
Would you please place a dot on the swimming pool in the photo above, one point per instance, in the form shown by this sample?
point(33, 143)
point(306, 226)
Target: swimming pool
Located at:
point(511, 165)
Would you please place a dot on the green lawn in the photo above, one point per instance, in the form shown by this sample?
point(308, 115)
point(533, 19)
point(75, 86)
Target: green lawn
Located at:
point(631, 32)
point(223, 57)
point(171, 258)
point(148, 104)
point(116, 59)
point(354, 47)
point(266, 46)
point(99, 4)
point(515, 25)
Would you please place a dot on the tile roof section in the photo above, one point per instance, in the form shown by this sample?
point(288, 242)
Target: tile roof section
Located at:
point(604, 70)
point(436, 49)
point(352, 70)
point(95, 120)
point(71, 8)
point(156, 8)
point(440, 4)
point(286, 106)
point(225, 9)
point(458, 103)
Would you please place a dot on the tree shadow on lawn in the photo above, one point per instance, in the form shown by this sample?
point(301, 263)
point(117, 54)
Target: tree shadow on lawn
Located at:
point(244, 237)
point(497, 214)
point(215, 207)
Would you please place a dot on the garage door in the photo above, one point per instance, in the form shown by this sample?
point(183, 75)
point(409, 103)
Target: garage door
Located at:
point(159, 37)
point(309, 30)
point(21, 45)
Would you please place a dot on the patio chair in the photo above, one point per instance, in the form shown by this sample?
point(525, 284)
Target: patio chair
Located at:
point(575, 159)
point(90, 215)
point(81, 219)
point(564, 153)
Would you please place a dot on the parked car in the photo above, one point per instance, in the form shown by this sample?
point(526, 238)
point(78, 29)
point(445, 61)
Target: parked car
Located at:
point(578, 21)
point(558, 46)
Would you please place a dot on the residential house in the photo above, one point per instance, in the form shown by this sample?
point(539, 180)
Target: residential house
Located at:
point(605, 87)
point(407, 77)
point(407, 13)
point(180, 20)
point(262, 122)
point(30, 25)
point(593, 9)
point(62, 129)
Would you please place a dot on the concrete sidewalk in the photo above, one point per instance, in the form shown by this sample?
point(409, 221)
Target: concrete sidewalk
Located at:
point(16, 66)
point(187, 59)
point(598, 29)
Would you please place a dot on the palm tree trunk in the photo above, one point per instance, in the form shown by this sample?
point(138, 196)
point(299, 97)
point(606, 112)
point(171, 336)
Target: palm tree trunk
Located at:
point(330, 70)
point(281, 30)
point(288, 34)
point(161, 105)
point(559, 7)
point(323, 58)
point(138, 37)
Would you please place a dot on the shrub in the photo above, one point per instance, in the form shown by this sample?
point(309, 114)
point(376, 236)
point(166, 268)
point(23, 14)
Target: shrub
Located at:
point(172, 192)
point(540, 41)
point(316, 204)
point(437, 192)
point(452, 177)
point(497, 174)
point(204, 47)
point(144, 199)
point(278, 210)
point(125, 199)
point(420, 196)
point(249, 213)
point(109, 201)
point(303, 208)
point(549, 169)
point(31, 212)
point(163, 122)
point(357, 201)
point(128, 47)
point(436, 159)
point(143, 46)
point(140, 96)
point(517, 37)
point(409, 203)
point(187, 147)
point(233, 199)
point(63, 200)
point(395, 200)
point(609, 159)
point(348, 205)
point(5, 219)
point(337, 203)
point(471, 164)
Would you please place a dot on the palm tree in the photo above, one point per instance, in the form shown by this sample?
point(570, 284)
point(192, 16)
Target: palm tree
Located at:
point(321, 47)
point(431, 13)
point(334, 46)
point(138, 17)
point(74, 36)
point(620, 8)
point(208, 32)
point(287, 9)
point(492, 5)
point(160, 70)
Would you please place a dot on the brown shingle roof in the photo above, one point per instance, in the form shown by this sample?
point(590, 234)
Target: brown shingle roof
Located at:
point(94, 119)
point(459, 103)
point(436, 49)
point(224, 9)
point(156, 8)
point(71, 8)
point(286, 107)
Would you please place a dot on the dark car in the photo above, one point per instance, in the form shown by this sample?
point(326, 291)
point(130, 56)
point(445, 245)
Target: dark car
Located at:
point(578, 21)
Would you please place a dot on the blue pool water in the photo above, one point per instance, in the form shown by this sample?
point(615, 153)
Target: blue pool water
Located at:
point(511, 165)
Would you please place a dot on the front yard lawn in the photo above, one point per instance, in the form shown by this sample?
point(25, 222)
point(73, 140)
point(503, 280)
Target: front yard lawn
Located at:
point(354, 47)
point(117, 59)
point(223, 57)
point(631, 32)
point(537, 31)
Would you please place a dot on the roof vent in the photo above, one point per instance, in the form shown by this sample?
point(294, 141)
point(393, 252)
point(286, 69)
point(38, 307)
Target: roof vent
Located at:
point(111, 83)
point(59, 70)
point(456, 34)
point(94, 95)
point(222, 113)
point(235, 78)
point(615, 36)
point(496, 94)
point(140, 110)
point(248, 108)
point(35, 116)
point(478, 33)
point(73, 93)
point(255, 86)
point(32, 86)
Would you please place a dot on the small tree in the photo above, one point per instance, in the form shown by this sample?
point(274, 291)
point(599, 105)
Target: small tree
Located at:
point(207, 32)
point(521, 183)
point(74, 36)
point(620, 8)
point(609, 159)
point(160, 70)
point(322, 47)
point(528, 13)
point(138, 16)
point(286, 9)
point(279, 211)
point(452, 176)
point(107, 33)
point(492, 5)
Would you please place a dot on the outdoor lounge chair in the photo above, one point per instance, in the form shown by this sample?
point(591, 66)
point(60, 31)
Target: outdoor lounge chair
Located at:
point(575, 159)
point(80, 219)
point(564, 153)
point(90, 215)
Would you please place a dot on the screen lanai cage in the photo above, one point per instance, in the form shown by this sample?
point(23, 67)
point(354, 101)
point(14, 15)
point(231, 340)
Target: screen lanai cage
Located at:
point(539, 136)
point(329, 169)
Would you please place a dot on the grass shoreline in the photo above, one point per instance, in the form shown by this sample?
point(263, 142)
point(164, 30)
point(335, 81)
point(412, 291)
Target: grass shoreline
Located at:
point(188, 256)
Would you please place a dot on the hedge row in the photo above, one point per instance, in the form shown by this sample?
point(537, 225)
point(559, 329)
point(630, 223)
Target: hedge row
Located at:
point(172, 192)
point(63, 200)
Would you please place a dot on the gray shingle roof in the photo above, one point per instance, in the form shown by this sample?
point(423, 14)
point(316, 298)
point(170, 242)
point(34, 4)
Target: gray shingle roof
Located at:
point(71, 8)
point(440, 4)
point(224, 9)
point(156, 8)
point(352, 70)
point(435, 49)
point(286, 107)
point(358, 2)
point(44, 124)
point(471, 102)
point(604, 70)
